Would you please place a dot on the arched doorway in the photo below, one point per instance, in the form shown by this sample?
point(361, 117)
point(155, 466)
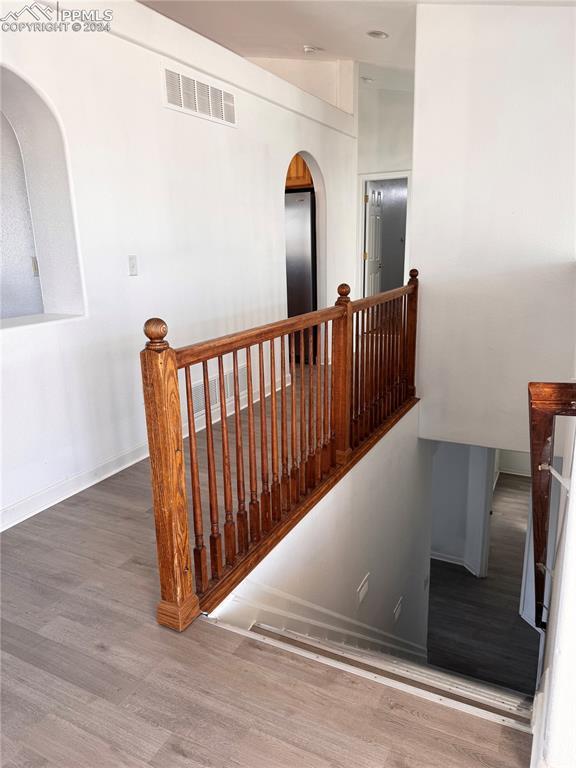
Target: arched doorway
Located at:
point(301, 258)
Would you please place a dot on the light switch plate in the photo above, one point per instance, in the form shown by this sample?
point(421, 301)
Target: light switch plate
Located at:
point(132, 266)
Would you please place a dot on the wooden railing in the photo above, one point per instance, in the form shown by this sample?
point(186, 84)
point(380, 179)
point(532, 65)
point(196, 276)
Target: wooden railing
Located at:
point(546, 401)
point(286, 409)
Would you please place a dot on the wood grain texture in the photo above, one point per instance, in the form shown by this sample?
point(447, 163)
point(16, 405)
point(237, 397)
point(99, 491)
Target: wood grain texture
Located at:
point(298, 175)
point(96, 683)
point(179, 604)
point(206, 350)
point(326, 397)
point(342, 341)
point(474, 625)
point(546, 401)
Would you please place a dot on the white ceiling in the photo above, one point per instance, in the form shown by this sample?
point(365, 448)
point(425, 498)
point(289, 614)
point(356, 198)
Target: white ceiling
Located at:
point(280, 28)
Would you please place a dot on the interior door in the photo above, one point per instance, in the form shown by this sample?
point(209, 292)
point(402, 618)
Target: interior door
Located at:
point(385, 234)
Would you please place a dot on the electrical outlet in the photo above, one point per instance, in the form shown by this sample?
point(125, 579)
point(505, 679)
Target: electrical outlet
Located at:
point(362, 590)
point(398, 609)
point(132, 266)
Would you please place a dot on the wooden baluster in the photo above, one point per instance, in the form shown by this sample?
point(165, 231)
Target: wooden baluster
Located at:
point(318, 394)
point(275, 489)
point(374, 367)
point(382, 370)
point(356, 404)
point(229, 524)
point(179, 604)
point(370, 369)
point(199, 551)
point(216, 564)
point(285, 481)
point(326, 416)
point(404, 350)
point(371, 350)
point(333, 457)
point(399, 359)
point(311, 462)
point(396, 354)
point(265, 495)
point(389, 308)
point(241, 513)
point(393, 366)
point(377, 365)
point(253, 506)
point(295, 470)
point(342, 375)
point(411, 324)
point(303, 452)
point(364, 374)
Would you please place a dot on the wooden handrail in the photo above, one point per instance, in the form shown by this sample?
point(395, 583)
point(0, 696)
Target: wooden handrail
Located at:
point(546, 401)
point(206, 350)
point(346, 376)
point(383, 298)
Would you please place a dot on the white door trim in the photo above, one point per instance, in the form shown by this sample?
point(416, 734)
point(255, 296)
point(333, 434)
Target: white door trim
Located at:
point(362, 179)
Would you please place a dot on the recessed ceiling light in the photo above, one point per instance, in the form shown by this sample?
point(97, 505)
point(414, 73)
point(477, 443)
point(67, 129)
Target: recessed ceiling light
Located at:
point(366, 79)
point(310, 50)
point(377, 34)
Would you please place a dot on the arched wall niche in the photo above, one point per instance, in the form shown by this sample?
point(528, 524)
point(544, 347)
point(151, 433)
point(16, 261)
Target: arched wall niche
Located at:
point(320, 198)
point(45, 168)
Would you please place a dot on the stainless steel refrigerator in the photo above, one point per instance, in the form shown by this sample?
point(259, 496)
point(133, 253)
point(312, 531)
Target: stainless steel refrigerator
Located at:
point(300, 252)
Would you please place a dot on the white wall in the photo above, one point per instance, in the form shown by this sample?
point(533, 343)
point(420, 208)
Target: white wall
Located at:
point(460, 500)
point(48, 186)
point(514, 462)
point(21, 292)
point(385, 123)
point(331, 81)
point(493, 226)
point(202, 207)
point(376, 521)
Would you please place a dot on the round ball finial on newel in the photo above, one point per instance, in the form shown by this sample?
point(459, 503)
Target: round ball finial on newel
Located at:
point(343, 293)
point(156, 329)
point(413, 275)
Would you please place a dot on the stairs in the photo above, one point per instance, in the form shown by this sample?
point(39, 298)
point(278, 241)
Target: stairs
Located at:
point(490, 702)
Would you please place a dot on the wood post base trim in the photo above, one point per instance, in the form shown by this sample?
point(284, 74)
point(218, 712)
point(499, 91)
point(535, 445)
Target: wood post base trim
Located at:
point(178, 617)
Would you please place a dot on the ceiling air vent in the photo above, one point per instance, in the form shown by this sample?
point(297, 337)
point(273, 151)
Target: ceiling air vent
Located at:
point(194, 97)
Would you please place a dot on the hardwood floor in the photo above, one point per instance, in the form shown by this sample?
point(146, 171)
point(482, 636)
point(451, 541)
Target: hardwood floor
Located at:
point(474, 625)
point(89, 680)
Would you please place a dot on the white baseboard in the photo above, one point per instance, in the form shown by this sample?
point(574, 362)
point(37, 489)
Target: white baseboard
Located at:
point(47, 497)
point(452, 559)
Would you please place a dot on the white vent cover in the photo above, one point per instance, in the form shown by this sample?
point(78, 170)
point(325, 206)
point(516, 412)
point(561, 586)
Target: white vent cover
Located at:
point(197, 98)
point(214, 390)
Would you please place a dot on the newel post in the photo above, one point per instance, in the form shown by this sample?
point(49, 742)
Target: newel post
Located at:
point(179, 604)
point(342, 340)
point(411, 326)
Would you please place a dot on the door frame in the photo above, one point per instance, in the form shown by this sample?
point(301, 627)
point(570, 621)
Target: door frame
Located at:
point(362, 179)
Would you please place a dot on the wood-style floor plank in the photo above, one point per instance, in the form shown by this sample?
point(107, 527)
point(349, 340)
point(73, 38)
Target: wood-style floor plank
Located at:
point(474, 625)
point(89, 680)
